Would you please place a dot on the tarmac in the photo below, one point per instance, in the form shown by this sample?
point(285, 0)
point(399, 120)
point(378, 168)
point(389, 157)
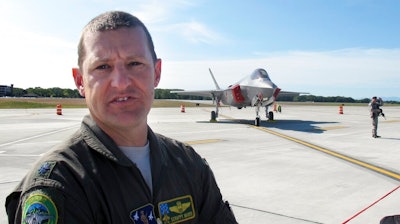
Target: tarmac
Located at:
point(311, 164)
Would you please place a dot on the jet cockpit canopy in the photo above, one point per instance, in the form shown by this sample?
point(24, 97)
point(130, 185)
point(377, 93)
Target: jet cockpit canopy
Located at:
point(260, 73)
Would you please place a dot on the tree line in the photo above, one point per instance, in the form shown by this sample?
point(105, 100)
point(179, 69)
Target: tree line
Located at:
point(166, 94)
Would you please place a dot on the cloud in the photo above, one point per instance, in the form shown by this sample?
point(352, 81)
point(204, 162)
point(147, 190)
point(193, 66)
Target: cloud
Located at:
point(32, 59)
point(162, 17)
point(196, 32)
point(346, 72)
point(156, 11)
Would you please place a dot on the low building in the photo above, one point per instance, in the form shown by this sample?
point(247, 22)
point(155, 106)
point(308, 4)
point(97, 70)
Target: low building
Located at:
point(6, 90)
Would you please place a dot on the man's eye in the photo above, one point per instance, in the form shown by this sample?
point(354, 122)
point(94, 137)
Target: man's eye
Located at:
point(102, 67)
point(134, 63)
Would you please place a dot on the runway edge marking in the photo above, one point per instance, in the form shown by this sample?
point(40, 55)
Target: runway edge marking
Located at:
point(369, 166)
point(203, 141)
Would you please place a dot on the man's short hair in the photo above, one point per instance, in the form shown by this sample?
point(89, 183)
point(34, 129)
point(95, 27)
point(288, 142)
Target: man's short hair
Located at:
point(374, 98)
point(112, 20)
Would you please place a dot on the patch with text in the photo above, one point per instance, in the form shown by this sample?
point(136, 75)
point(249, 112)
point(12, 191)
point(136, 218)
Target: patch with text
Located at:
point(177, 210)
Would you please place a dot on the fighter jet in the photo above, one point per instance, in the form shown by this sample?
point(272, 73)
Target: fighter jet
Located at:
point(255, 90)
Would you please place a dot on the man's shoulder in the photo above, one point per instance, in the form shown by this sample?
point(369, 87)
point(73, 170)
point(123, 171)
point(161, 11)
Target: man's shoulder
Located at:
point(176, 147)
point(173, 143)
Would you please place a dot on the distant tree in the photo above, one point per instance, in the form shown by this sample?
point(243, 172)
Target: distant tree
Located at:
point(18, 92)
point(69, 93)
point(56, 92)
point(39, 91)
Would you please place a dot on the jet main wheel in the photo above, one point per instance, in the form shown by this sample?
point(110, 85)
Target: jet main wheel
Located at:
point(257, 121)
point(213, 116)
point(271, 116)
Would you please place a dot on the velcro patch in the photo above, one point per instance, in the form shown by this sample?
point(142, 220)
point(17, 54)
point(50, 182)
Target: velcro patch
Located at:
point(144, 215)
point(177, 210)
point(39, 208)
point(45, 169)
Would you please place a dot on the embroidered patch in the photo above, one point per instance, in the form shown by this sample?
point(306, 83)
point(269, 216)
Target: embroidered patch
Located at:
point(45, 169)
point(177, 210)
point(39, 208)
point(144, 215)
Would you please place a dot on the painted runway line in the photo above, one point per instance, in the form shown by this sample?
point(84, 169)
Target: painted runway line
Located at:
point(369, 166)
point(39, 135)
point(204, 141)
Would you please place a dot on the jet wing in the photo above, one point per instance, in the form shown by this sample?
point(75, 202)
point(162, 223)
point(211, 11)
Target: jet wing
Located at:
point(205, 93)
point(289, 93)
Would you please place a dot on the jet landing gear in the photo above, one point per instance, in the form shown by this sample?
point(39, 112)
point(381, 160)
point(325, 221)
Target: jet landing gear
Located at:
point(270, 115)
point(213, 116)
point(257, 121)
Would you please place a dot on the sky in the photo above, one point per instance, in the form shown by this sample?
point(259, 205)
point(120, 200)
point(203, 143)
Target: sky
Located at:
point(345, 48)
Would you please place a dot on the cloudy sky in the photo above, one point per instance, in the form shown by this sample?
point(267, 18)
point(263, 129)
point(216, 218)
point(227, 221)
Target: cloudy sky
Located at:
point(325, 47)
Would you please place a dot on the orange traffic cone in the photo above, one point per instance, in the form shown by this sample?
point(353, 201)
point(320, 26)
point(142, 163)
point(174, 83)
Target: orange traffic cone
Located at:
point(341, 109)
point(183, 108)
point(59, 109)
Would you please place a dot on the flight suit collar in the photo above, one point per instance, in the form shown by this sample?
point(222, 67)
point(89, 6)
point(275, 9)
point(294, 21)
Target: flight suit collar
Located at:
point(99, 141)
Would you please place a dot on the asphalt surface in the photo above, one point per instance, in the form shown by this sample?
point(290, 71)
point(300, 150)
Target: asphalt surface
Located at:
point(310, 165)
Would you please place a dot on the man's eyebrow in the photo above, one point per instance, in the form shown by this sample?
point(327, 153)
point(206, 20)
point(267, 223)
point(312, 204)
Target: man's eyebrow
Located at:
point(136, 56)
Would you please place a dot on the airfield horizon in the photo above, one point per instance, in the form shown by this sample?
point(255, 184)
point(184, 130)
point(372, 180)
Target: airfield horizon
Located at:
point(49, 102)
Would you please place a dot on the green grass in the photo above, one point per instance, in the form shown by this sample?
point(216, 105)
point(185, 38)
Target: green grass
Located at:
point(22, 105)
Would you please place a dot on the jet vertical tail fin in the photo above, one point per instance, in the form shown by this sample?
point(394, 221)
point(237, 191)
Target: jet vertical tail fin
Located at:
point(215, 82)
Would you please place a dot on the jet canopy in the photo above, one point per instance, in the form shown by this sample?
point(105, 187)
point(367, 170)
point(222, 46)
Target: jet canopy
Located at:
point(260, 74)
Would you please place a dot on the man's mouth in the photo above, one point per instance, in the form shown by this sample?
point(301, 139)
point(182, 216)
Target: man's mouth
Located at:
point(122, 99)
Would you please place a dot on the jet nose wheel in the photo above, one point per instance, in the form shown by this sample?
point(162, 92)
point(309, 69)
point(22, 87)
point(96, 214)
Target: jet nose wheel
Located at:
point(257, 121)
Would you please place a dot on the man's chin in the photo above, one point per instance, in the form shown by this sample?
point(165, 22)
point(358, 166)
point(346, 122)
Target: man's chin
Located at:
point(130, 117)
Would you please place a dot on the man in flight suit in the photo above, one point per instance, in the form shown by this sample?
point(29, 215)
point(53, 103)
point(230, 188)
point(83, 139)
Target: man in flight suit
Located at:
point(375, 111)
point(115, 169)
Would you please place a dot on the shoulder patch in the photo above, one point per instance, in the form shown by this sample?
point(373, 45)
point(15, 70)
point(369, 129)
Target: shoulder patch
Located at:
point(39, 208)
point(45, 169)
point(177, 210)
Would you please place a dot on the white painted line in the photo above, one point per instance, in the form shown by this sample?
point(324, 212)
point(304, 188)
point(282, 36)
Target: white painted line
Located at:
point(37, 136)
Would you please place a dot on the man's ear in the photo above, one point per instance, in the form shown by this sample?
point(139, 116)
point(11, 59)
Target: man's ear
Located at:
point(157, 72)
point(78, 79)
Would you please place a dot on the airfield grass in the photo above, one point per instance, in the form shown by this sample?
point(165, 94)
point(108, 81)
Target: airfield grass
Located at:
point(24, 103)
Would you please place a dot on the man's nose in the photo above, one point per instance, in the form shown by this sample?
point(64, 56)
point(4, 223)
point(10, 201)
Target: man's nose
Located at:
point(120, 77)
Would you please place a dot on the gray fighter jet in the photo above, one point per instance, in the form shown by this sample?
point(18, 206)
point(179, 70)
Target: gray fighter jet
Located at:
point(256, 90)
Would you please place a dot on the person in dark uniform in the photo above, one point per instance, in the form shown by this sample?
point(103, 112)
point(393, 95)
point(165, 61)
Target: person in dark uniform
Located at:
point(115, 169)
point(375, 111)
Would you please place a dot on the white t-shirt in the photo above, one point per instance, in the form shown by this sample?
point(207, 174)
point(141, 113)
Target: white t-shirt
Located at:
point(141, 157)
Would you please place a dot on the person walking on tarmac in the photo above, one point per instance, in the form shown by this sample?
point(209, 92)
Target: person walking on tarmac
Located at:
point(115, 169)
point(375, 111)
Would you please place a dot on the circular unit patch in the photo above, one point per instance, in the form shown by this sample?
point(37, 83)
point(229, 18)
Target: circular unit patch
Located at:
point(39, 208)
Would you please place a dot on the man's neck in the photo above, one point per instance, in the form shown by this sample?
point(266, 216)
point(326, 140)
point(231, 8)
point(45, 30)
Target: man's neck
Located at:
point(134, 136)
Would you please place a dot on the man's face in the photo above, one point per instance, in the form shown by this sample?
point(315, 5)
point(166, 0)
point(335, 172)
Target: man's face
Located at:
point(118, 77)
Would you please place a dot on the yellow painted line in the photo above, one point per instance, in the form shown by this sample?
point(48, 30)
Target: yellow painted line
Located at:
point(330, 128)
point(204, 141)
point(390, 121)
point(372, 167)
point(369, 166)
